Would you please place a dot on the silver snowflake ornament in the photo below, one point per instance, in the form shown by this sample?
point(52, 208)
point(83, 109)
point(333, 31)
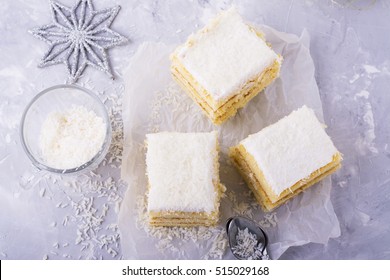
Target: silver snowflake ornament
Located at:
point(78, 37)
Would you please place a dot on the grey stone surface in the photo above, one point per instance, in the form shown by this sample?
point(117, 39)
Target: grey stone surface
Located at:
point(349, 45)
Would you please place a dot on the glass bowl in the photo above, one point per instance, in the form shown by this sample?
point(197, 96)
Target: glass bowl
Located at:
point(60, 98)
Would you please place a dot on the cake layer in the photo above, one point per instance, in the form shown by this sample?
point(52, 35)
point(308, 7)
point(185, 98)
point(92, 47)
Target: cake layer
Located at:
point(224, 65)
point(258, 185)
point(181, 223)
point(183, 177)
point(225, 54)
point(182, 218)
point(183, 215)
point(290, 149)
point(249, 161)
point(219, 111)
point(182, 171)
point(285, 158)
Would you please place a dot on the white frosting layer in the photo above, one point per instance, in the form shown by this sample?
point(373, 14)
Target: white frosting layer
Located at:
point(180, 168)
point(291, 149)
point(225, 54)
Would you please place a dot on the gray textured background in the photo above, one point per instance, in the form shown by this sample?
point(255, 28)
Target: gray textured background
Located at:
point(350, 47)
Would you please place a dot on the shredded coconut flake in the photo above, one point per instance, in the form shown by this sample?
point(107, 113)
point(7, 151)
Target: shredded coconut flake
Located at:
point(370, 69)
point(71, 138)
point(218, 247)
point(171, 239)
point(90, 199)
point(247, 246)
point(42, 192)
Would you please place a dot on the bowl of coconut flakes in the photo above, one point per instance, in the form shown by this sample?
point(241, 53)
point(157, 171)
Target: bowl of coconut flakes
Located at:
point(65, 129)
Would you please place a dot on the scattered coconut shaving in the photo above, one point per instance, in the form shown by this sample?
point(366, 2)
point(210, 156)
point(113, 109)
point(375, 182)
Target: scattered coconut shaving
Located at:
point(171, 98)
point(89, 201)
point(171, 239)
point(218, 247)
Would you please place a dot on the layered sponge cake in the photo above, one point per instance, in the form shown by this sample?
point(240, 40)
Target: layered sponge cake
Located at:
point(183, 175)
point(224, 65)
point(285, 158)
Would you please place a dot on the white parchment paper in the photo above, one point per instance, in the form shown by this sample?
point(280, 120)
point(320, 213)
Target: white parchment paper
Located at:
point(153, 102)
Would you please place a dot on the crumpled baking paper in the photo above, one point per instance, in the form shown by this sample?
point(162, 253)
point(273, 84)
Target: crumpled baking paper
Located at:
point(153, 102)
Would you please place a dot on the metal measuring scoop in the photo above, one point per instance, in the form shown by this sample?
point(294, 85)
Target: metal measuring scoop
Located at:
point(235, 223)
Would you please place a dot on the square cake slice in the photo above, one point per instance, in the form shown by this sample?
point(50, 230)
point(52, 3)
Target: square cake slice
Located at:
point(224, 65)
point(183, 174)
point(285, 158)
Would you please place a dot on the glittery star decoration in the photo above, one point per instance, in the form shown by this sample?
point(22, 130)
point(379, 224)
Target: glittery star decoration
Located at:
point(78, 37)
